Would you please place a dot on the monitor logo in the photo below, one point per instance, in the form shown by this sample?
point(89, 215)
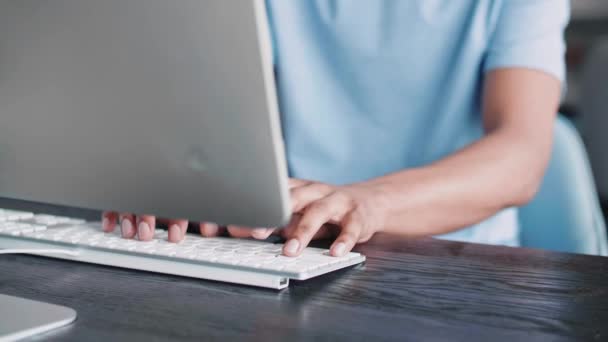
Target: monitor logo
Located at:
point(196, 159)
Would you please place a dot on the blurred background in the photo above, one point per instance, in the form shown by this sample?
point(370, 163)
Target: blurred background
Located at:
point(586, 103)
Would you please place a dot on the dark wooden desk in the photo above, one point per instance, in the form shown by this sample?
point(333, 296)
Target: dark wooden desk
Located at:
point(408, 290)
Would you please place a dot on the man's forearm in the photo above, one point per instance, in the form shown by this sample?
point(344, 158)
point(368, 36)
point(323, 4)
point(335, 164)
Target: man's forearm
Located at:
point(501, 170)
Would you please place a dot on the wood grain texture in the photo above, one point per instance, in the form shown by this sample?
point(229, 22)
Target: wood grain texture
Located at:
point(408, 290)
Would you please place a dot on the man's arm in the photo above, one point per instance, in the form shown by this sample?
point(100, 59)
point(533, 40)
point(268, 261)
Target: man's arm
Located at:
point(503, 169)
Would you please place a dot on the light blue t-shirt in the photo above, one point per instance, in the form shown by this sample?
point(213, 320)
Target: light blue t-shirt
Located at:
point(368, 87)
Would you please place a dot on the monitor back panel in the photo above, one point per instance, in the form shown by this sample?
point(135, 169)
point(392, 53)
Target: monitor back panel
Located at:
point(148, 106)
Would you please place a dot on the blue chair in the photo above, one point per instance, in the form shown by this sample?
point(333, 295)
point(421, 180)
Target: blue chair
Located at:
point(566, 215)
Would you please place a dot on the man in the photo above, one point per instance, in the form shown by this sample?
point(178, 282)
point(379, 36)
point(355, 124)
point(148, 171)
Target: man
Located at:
point(413, 117)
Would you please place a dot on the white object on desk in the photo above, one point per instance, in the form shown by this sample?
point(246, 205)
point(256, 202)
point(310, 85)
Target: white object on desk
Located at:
point(240, 261)
point(21, 318)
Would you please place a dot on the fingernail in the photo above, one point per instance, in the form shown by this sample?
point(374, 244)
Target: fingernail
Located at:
point(210, 229)
point(126, 227)
point(291, 247)
point(339, 249)
point(143, 228)
point(105, 224)
point(260, 233)
point(175, 233)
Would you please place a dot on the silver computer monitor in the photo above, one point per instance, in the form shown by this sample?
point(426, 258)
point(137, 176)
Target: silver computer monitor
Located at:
point(147, 106)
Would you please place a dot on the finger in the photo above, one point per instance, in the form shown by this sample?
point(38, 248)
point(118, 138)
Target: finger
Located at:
point(239, 231)
point(327, 231)
point(287, 232)
point(303, 196)
point(209, 229)
point(108, 221)
point(127, 225)
point(315, 216)
point(351, 230)
point(177, 230)
point(295, 183)
point(146, 226)
point(262, 233)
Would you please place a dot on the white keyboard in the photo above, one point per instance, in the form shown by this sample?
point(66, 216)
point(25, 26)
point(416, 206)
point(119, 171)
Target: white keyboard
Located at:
point(247, 262)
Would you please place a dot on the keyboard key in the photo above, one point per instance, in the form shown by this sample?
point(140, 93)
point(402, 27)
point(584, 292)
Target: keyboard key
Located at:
point(13, 215)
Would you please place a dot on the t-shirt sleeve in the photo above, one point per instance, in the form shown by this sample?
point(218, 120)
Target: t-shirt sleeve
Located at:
point(530, 34)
